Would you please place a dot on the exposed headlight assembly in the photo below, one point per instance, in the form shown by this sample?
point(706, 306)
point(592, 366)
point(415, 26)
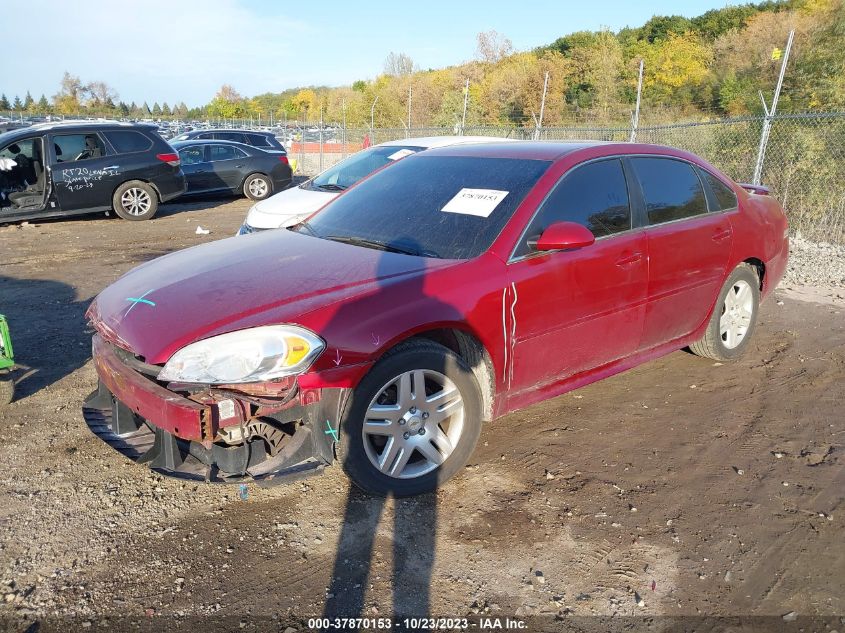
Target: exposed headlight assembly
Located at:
point(252, 355)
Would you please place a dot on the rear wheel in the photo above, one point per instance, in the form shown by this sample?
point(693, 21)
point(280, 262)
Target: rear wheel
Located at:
point(257, 187)
point(135, 200)
point(734, 317)
point(412, 422)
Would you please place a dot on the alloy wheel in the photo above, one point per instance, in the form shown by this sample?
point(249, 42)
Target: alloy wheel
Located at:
point(258, 187)
point(737, 312)
point(413, 424)
point(135, 201)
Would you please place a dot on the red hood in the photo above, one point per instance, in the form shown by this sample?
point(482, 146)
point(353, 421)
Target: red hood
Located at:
point(269, 277)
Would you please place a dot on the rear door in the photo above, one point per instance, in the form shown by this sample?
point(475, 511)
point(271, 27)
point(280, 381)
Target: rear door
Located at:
point(227, 163)
point(688, 248)
point(84, 172)
point(196, 167)
point(571, 311)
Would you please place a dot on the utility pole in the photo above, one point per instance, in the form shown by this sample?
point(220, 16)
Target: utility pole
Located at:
point(464, 117)
point(321, 136)
point(542, 108)
point(373, 118)
point(636, 120)
point(770, 114)
point(343, 109)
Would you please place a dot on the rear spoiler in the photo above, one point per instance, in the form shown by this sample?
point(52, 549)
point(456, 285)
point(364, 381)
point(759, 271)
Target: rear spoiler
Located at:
point(760, 190)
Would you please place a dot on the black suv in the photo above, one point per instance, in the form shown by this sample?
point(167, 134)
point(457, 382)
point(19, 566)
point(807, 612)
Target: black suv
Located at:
point(264, 140)
point(69, 168)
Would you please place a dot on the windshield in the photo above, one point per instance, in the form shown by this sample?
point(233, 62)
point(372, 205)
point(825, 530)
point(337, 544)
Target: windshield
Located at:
point(346, 173)
point(436, 206)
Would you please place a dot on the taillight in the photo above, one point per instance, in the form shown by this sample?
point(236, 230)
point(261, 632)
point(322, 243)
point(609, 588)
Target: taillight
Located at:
point(283, 158)
point(171, 158)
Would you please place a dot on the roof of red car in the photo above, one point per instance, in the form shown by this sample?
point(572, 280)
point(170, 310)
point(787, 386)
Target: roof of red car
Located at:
point(536, 150)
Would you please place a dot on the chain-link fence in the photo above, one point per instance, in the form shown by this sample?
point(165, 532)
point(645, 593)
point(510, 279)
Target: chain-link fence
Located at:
point(804, 160)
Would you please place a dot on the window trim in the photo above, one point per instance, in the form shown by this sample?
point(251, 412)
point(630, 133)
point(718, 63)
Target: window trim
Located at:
point(106, 147)
point(117, 152)
point(634, 211)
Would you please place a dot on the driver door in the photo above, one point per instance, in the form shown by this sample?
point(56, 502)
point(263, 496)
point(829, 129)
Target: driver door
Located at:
point(572, 311)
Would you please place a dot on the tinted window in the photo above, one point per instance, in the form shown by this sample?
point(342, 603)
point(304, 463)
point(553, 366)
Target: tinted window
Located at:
point(205, 135)
point(725, 198)
point(192, 155)
point(594, 195)
point(403, 205)
point(73, 147)
point(223, 152)
point(230, 136)
point(671, 189)
point(348, 172)
point(258, 140)
point(125, 141)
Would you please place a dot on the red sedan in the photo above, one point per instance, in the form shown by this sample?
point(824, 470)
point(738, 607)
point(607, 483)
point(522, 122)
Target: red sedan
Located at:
point(453, 287)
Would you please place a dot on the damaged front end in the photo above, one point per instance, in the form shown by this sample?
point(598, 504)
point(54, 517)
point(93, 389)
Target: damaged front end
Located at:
point(271, 432)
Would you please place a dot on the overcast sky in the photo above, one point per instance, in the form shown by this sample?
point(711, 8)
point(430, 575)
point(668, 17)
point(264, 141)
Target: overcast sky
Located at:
point(183, 50)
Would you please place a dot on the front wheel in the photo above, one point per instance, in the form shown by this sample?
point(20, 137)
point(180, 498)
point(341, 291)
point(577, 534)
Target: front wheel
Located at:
point(412, 422)
point(257, 187)
point(135, 200)
point(734, 317)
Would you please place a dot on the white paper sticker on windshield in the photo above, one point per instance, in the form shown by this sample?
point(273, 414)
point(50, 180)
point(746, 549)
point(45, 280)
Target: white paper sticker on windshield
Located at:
point(402, 153)
point(480, 202)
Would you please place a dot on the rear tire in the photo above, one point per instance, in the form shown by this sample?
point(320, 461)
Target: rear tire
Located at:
point(734, 317)
point(257, 187)
point(422, 389)
point(135, 200)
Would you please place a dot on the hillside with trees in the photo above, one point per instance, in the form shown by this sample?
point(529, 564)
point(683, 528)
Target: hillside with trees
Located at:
point(712, 65)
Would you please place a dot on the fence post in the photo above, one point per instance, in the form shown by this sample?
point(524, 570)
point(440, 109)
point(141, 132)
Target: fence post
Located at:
point(635, 122)
point(770, 115)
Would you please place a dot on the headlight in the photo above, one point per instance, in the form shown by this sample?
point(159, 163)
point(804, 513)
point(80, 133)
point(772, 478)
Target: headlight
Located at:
point(252, 355)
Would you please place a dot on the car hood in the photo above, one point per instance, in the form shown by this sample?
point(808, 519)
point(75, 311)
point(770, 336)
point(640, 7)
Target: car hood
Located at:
point(287, 207)
point(261, 279)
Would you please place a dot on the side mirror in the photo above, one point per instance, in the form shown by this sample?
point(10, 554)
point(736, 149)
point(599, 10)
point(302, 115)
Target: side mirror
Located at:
point(564, 235)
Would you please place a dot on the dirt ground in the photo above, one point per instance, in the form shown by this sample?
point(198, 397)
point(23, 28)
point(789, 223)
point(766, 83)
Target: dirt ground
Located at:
point(681, 488)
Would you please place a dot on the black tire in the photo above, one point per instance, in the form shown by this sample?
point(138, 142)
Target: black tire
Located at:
point(135, 200)
point(417, 354)
point(7, 388)
point(257, 187)
point(713, 344)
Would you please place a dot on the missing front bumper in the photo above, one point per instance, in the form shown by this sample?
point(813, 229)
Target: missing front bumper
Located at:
point(306, 453)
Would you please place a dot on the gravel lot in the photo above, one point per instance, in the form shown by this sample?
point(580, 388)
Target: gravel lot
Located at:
point(680, 488)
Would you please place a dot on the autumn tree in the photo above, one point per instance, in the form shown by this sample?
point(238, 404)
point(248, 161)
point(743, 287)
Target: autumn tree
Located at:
point(398, 64)
point(492, 46)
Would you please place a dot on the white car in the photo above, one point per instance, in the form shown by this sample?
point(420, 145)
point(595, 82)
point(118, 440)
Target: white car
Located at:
point(292, 206)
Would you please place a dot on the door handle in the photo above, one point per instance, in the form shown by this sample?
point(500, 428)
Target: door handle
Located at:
point(721, 235)
point(627, 260)
point(239, 166)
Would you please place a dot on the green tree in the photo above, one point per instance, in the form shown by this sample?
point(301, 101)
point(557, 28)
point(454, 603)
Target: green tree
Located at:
point(17, 106)
point(43, 105)
point(28, 102)
point(165, 109)
point(4, 103)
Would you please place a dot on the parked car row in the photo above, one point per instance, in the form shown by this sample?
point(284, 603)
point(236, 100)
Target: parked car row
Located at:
point(57, 168)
